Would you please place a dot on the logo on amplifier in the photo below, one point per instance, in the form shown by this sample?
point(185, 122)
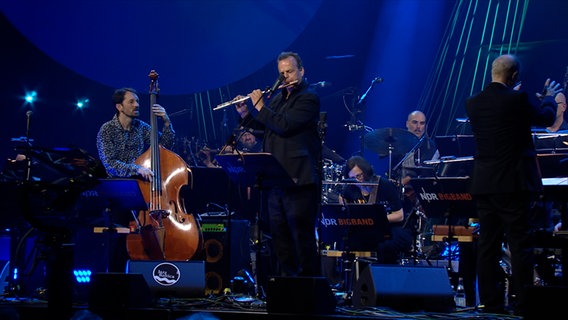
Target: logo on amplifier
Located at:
point(166, 274)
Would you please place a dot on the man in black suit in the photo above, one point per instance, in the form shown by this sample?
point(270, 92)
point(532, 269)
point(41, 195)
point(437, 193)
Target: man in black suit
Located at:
point(506, 178)
point(290, 124)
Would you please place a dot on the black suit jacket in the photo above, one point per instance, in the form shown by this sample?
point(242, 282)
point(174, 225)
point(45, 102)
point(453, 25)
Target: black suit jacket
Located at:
point(505, 158)
point(290, 124)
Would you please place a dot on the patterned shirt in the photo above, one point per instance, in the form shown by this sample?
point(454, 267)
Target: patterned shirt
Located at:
point(119, 148)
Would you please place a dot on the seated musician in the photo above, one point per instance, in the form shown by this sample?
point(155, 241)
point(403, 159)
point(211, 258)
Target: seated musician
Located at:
point(248, 142)
point(413, 165)
point(381, 191)
point(120, 141)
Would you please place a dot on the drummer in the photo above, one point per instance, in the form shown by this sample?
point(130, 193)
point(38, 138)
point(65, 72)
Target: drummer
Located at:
point(413, 166)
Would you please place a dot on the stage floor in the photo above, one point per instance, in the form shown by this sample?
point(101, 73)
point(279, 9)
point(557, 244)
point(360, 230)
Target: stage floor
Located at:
point(221, 307)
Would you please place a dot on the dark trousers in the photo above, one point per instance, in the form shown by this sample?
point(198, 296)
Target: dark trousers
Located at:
point(504, 217)
point(292, 214)
point(467, 266)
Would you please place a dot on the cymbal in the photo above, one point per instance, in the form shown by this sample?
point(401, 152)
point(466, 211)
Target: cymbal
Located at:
point(400, 141)
point(330, 154)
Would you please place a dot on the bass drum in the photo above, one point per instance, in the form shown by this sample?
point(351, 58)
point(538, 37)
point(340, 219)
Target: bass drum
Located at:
point(332, 175)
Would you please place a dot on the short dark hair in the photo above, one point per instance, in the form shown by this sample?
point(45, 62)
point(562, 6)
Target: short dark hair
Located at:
point(296, 56)
point(118, 95)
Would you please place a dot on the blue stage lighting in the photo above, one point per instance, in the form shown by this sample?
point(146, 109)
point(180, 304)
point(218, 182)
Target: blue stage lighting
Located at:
point(82, 103)
point(31, 97)
point(82, 276)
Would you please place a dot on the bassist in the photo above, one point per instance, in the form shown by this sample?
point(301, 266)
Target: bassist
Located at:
point(120, 141)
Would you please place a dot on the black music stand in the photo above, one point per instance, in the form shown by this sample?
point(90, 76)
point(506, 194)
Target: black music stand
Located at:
point(259, 170)
point(336, 232)
point(119, 195)
point(449, 198)
point(122, 193)
point(351, 231)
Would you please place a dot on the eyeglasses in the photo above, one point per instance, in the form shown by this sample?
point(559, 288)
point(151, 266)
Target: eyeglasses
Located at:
point(358, 176)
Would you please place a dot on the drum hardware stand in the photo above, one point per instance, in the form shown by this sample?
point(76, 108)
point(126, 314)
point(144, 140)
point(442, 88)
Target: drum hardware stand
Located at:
point(408, 154)
point(418, 215)
point(357, 125)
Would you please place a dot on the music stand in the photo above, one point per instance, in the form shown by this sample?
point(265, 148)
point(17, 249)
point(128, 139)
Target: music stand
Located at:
point(446, 195)
point(351, 231)
point(449, 198)
point(122, 194)
point(259, 170)
point(353, 227)
point(119, 194)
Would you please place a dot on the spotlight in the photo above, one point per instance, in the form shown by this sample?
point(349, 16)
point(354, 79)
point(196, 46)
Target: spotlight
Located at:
point(31, 97)
point(82, 103)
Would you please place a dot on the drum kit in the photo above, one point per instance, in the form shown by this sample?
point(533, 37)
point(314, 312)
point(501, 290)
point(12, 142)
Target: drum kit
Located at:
point(394, 143)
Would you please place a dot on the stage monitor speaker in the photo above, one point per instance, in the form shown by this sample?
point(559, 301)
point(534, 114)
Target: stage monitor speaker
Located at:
point(171, 279)
point(404, 288)
point(118, 291)
point(300, 295)
point(224, 257)
point(543, 302)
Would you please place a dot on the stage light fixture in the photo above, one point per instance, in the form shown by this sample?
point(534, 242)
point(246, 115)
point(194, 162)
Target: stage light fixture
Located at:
point(82, 276)
point(31, 97)
point(82, 103)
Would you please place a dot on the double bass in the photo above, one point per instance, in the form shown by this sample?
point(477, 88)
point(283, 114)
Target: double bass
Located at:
point(165, 231)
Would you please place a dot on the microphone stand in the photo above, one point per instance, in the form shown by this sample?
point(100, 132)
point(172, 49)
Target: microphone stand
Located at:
point(356, 125)
point(364, 96)
point(416, 146)
point(378, 79)
point(29, 145)
point(232, 141)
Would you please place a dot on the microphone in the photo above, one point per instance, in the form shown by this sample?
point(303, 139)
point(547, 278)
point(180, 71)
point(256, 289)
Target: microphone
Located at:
point(28, 124)
point(376, 80)
point(275, 85)
point(462, 120)
point(321, 84)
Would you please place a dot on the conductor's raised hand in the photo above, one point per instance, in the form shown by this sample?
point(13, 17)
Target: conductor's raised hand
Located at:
point(551, 89)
